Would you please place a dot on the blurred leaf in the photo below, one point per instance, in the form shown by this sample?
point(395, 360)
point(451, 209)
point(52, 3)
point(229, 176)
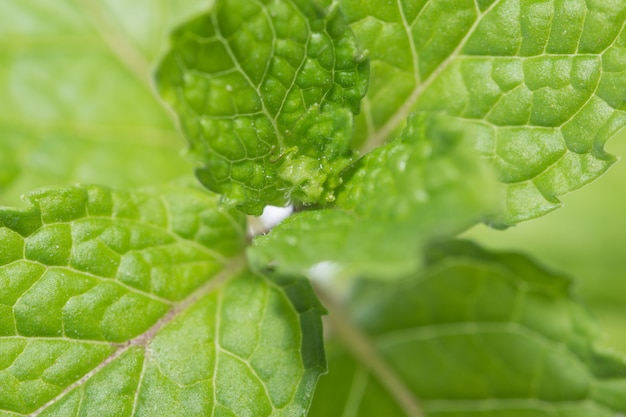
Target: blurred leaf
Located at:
point(476, 334)
point(586, 239)
point(77, 100)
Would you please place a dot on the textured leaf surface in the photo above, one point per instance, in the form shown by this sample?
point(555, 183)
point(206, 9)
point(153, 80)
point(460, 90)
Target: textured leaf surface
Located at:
point(427, 184)
point(76, 97)
point(593, 252)
point(266, 92)
point(122, 304)
point(541, 81)
point(477, 334)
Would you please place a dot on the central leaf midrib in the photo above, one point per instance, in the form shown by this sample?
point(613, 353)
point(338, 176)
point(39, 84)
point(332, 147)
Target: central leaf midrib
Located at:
point(363, 349)
point(235, 266)
point(381, 135)
point(231, 270)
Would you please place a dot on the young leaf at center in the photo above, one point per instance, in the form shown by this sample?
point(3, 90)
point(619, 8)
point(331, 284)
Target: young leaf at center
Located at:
point(427, 184)
point(266, 92)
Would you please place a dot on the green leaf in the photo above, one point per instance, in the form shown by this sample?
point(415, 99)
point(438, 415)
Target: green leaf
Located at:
point(120, 303)
point(541, 82)
point(265, 92)
point(77, 99)
point(593, 250)
point(425, 185)
point(476, 334)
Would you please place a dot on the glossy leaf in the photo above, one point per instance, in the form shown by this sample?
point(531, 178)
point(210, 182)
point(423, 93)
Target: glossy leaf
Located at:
point(120, 303)
point(427, 184)
point(541, 82)
point(476, 334)
point(265, 92)
point(76, 94)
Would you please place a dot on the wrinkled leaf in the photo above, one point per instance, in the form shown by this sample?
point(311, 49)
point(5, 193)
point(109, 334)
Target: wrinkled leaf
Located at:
point(476, 334)
point(426, 184)
point(77, 103)
point(592, 251)
point(541, 82)
point(265, 92)
point(139, 303)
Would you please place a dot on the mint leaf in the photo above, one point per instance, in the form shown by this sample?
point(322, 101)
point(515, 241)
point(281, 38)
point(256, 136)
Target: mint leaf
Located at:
point(476, 334)
point(77, 99)
point(425, 185)
point(541, 82)
point(266, 93)
point(122, 303)
point(593, 250)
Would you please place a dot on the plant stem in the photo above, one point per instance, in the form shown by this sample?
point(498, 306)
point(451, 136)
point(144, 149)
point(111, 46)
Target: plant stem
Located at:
point(362, 348)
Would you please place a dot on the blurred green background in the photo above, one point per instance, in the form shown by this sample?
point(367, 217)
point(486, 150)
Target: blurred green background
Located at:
point(77, 100)
point(586, 239)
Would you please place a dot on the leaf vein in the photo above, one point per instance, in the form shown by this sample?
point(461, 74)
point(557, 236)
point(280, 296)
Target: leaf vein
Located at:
point(407, 106)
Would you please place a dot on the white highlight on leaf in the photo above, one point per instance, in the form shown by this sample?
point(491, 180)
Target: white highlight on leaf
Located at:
point(272, 216)
point(324, 272)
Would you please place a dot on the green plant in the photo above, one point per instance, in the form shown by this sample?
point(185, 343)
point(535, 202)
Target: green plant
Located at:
point(390, 127)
